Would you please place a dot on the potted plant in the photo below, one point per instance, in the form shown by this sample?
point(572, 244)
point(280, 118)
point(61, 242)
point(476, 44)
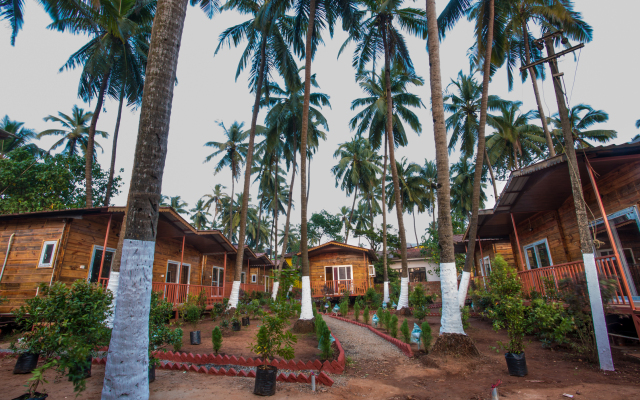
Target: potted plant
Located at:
point(272, 339)
point(64, 330)
point(160, 333)
point(191, 314)
point(235, 322)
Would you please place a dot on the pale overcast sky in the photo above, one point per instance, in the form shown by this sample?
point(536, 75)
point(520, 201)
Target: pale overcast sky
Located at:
point(32, 88)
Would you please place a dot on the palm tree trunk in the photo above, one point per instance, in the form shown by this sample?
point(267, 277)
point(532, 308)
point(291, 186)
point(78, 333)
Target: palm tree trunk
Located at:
point(285, 239)
point(415, 231)
point(259, 223)
point(233, 181)
point(493, 178)
point(534, 82)
point(353, 206)
point(91, 140)
point(384, 223)
point(107, 197)
point(127, 373)
point(306, 313)
point(308, 180)
point(477, 174)
point(403, 301)
point(451, 321)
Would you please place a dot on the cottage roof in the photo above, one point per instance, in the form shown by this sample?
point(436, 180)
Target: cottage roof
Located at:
point(545, 186)
point(338, 246)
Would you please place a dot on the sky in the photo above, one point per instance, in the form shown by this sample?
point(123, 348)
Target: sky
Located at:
point(603, 75)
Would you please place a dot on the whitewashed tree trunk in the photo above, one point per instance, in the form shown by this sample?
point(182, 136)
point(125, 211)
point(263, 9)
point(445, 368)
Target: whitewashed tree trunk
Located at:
point(276, 285)
point(597, 313)
point(464, 287)
point(235, 295)
point(451, 321)
point(306, 311)
point(114, 278)
point(386, 292)
point(403, 301)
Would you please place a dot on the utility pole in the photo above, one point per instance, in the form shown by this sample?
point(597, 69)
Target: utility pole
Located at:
point(586, 243)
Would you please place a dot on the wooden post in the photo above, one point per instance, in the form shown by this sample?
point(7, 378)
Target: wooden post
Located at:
point(515, 231)
point(104, 248)
point(481, 257)
point(564, 242)
point(610, 235)
point(224, 276)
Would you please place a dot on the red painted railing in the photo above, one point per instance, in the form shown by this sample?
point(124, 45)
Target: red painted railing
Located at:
point(176, 293)
point(336, 288)
point(104, 282)
point(540, 279)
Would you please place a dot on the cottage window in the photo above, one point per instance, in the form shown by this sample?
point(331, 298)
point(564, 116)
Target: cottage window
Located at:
point(372, 271)
point(486, 266)
point(254, 278)
point(48, 254)
point(243, 278)
point(537, 254)
point(96, 260)
point(217, 276)
point(176, 274)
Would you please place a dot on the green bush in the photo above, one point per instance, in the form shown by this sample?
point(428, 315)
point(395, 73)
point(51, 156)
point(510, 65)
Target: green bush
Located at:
point(426, 336)
point(177, 343)
point(394, 326)
point(322, 334)
point(344, 308)
point(160, 333)
point(365, 315)
point(216, 339)
point(356, 311)
point(464, 314)
point(273, 339)
point(64, 325)
point(379, 313)
point(191, 313)
point(406, 333)
point(420, 313)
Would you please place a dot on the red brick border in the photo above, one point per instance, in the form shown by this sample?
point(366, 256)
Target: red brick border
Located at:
point(322, 377)
point(404, 347)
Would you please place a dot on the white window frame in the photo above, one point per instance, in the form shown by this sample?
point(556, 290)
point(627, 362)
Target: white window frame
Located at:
point(93, 256)
point(215, 273)
point(179, 272)
point(372, 270)
point(486, 260)
point(53, 254)
point(333, 269)
point(254, 278)
point(530, 245)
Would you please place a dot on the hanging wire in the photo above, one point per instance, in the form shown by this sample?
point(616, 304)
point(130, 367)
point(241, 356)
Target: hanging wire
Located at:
point(575, 73)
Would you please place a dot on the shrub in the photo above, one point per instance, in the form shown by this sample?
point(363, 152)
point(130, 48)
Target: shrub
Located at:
point(426, 336)
point(224, 323)
point(464, 314)
point(356, 311)
point(325, 344)
point(273, 339)
point(420, 313)
point(177, 343)
point(417, 297)
point(160, 333)
point(394, 326)
point(406, 333)
point(191, 314)
point(344, 307)
point(380, 315)
point(64, 325)
point(216, 339)
point(365, 315)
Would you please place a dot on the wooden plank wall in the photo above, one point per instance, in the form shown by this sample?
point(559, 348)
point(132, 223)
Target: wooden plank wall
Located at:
point(22, 275)
point(619, 189)
point(213, 261)
point(491, 249)
point(354, 258)
point(170, 249)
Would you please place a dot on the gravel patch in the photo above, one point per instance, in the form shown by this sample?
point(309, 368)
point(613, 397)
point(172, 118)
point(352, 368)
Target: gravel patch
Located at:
point(360, 343)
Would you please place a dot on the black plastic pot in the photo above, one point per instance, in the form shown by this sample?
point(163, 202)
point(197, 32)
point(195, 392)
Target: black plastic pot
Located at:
point(26, 363)
point(152, 374)
point(248, 321)
point(195, 337)
point(245, 321)
point(36, 396)
point(235, 326)
point(77, 369)
point(265, 380)
point(517, 364)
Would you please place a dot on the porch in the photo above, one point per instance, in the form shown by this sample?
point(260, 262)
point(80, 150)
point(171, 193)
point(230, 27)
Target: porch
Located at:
point(335, 288)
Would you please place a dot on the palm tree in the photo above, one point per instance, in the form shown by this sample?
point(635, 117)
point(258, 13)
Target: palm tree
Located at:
point(74, 132)
point(518, 41)
point(358, 164)
point(21, 140)
point(283, 135)
point(373, 118)
point(13, 11)
point(515, 143)
point(375, 33)
point(430, 173)
point(127, 374)
point(451, 322)
point(414, 188)
point(462, 187)
point(463, 102)
point(215, 199)
point(113, 27)
point(199, 215)
point(266, 34)
point(579, 124)
point(174, 202)
point(233, 151)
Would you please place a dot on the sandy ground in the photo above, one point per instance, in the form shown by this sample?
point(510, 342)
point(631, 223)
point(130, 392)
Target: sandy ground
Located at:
point(551, 374)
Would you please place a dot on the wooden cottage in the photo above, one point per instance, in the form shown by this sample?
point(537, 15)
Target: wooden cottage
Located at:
point(336, 267)
point(66, 245)
point(533, 224)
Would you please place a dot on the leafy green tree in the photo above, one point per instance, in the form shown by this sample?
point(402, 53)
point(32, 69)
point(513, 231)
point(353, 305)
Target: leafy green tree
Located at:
point(358, 166)
point(21, 140)
point(176, 203)
point(233, 152)
point(74, 132)
point(214, 200)
point(324, 224)
point(463, 175)
point(13, 11)
point(199, 215)
point(581, 121)
point(413, 188)
point(430, 173)
point(515, 143)
point(29, 183)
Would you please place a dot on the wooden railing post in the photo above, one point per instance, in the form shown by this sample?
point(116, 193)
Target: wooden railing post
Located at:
point(104, 248)
point(515, 231)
